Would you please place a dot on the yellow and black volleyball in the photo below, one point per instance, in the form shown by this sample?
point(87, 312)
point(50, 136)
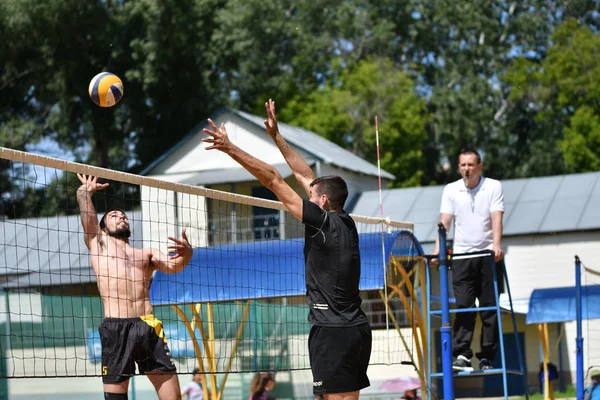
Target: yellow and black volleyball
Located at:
point(106, 89)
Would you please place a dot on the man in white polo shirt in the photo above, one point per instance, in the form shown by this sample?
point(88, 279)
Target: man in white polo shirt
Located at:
point(476, 205)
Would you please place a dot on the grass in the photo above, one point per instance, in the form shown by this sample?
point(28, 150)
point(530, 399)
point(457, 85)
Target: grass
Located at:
point(570, 392)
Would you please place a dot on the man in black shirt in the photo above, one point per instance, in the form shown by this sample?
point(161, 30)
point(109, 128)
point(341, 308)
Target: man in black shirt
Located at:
point(340, 337)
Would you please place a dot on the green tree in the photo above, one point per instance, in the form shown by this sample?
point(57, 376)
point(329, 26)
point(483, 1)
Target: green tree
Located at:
point(20, 121)
point(581, 143)
point(170, 65)
point(562, 90)
point(51, 49)
point(161, 50)
point(462, 50)
point(344, 112)
point(182, 59)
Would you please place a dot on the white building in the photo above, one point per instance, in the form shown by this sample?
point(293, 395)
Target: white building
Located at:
point(188, 162)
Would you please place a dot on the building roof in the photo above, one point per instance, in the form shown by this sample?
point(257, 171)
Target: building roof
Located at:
point(53, 277)
point(47, 245)
point(534, 205)
point(225, 175)
point(319, 149)
point(317, 145)
point(560, 304)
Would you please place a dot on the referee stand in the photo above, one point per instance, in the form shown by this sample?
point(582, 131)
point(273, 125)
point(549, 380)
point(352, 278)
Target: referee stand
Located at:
point(447, 373)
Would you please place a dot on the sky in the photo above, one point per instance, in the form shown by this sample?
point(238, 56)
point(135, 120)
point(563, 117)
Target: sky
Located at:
point(48, 147)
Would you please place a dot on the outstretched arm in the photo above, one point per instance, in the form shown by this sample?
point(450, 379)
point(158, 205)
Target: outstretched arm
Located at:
point(302, 171)
point(180, 254)
point(265, 173)
point(89, 220)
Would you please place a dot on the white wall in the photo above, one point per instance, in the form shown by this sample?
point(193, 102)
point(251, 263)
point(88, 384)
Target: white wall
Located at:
point(591, 348)
point(546, 261)
point(165, 214)
point(192, 215)
point(192, 158)
point(23, 307)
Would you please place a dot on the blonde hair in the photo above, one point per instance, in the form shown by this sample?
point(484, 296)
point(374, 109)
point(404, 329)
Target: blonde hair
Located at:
point(259, 383)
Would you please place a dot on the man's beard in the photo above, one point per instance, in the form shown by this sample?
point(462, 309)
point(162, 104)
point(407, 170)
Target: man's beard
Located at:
point(122, 233)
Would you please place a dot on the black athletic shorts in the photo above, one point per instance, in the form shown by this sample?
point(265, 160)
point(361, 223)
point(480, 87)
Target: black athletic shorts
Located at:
point(339, 358)
point(130, 341)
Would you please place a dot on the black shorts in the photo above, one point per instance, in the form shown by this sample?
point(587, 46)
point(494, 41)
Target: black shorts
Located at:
point(339, 358)
point(130, 341)
point(479, 268)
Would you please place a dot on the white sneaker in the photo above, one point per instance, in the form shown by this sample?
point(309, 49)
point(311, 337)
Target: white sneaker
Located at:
point(462, 363)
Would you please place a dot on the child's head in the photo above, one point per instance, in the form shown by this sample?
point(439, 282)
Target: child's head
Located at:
point(262, 381)
point(196, 376)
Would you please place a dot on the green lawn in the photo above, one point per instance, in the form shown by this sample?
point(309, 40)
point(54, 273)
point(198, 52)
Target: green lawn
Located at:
point(569, 393)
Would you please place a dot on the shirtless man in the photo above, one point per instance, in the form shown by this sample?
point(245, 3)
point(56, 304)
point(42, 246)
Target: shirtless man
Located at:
point(130, 334)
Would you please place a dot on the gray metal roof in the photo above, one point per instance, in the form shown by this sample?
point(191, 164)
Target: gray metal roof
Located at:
point(322, 148)
point(55, 277)
point(50, 244)
point(534, 205)
point(54, 246)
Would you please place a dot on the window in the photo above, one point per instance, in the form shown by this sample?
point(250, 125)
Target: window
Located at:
point(266, 220)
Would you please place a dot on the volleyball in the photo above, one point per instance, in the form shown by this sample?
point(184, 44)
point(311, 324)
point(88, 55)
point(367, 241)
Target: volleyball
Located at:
point(106, 89)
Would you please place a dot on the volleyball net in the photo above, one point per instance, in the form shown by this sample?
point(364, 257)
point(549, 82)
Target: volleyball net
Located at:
point(238, 306)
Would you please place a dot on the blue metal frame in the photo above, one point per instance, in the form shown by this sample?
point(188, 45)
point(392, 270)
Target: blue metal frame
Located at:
point(429, 355)
point(446, 329)
point(579, 339)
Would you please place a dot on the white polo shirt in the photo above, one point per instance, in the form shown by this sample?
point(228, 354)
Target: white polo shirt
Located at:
point(193, 390)
point(472, 210)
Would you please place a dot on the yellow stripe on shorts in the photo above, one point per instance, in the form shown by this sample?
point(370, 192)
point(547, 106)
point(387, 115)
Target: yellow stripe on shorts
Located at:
point(155, 323)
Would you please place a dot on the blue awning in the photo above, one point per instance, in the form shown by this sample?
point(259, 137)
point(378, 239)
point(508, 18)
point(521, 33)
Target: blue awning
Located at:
point(267, 269)
point(559, 304)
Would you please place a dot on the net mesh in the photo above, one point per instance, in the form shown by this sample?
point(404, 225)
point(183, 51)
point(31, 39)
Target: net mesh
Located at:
point(590, 327)
point(237, 307)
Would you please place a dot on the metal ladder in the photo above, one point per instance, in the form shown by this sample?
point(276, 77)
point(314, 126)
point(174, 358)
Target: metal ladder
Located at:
point(446, 330)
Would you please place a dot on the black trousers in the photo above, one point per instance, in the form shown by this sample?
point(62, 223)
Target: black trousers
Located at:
point(473, 278)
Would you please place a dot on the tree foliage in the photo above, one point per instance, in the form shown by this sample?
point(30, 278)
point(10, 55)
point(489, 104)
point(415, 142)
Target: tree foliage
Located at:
point(344, 112)
point(562, 91)
point(514, 79)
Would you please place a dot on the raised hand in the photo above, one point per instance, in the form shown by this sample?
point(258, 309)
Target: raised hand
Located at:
point(90, 183)
point(180, 248)
point(218, 139)
point(271, 121)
